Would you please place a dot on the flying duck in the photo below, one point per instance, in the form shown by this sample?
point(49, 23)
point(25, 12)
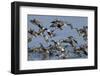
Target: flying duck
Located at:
point(58, 24)
point(36, 22)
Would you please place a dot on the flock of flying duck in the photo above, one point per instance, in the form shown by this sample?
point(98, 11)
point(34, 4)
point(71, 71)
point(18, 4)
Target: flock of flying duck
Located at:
point(56, 46)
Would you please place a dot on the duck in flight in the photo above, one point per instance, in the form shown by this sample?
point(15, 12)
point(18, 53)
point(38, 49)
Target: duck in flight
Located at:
point(81, 48)
point(71, 41)
point(46, 38)
point(58, 24)
point(50, 32)
point(83, 32)
point(69, 24)
point(32, 32)
point(45, 52)
point(37, 22)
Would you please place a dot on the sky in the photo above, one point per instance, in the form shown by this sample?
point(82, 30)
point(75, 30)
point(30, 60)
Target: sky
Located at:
point(76, 21)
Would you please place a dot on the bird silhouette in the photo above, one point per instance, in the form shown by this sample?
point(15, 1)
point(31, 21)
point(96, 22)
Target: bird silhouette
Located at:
point(41, 31)
point(82, 48)
point(32, 32)
point(62, 55)
point(69, 24)
point(71, 41)
point(58, 24)
point(36, 22)
point(83, 32)
point(50, 32)
point(29, 39)
point(58, 46)
point(46, 38)
point(84, 51)
point(55, 43)
point(45, 52)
